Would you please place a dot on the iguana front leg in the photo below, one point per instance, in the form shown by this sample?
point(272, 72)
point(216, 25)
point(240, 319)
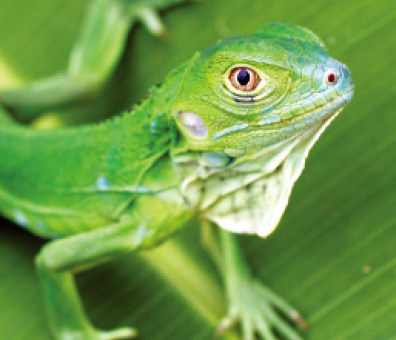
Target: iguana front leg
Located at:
point(251, 303)
point(60, 259)
point(94, 56)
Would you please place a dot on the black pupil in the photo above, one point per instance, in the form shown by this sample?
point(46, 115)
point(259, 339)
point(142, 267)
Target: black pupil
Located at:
point(243, 77)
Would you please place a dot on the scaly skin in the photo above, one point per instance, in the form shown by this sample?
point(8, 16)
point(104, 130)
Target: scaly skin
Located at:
point(204, 143)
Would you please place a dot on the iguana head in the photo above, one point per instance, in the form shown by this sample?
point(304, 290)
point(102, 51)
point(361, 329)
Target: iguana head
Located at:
point(249, 109)
point(251, 91)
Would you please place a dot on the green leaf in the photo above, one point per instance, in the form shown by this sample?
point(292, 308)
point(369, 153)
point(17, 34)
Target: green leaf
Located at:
point(333, 255)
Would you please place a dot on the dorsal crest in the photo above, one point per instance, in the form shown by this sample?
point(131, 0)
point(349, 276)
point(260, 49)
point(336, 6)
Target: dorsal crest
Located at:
point(291, 32)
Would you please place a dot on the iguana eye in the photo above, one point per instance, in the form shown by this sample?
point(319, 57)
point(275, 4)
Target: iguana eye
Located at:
point(244, 79)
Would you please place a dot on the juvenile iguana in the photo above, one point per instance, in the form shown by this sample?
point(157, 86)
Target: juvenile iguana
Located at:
point(224, 137)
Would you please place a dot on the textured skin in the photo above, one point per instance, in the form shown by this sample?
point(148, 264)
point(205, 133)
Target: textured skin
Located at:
point(91, 173)
point(262, 137)
point(195, 146)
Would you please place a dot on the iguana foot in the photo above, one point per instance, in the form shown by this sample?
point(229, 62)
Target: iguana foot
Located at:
point(93, 334)
point(118, 334)
point(147, 12)
point(260, 311)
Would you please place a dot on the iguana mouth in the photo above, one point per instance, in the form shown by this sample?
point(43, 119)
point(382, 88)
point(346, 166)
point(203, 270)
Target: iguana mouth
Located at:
point(320, 112)
point(277, 130)
point(252, 198)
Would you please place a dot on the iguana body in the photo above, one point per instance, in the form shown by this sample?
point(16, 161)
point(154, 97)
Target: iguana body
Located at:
point(88, 182)
point(225, 136)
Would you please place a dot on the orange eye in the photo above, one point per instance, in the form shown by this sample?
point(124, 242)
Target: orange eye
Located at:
point(244, 79)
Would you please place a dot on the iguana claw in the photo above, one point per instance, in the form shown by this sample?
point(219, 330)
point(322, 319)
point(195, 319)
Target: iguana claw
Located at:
point(259, 311)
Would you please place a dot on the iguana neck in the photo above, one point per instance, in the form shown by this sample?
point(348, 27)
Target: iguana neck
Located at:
point(156, 110)
point(246, 197)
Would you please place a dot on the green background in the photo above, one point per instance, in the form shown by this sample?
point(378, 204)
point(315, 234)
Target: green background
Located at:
point(334, 253)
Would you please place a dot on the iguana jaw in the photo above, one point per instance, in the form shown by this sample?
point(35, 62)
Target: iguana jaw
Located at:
point(290, 130)
point(302, 116)
point(251, 196)
point(321, 112)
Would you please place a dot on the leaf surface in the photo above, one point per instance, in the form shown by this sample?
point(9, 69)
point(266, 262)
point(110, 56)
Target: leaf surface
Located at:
point(333, 255)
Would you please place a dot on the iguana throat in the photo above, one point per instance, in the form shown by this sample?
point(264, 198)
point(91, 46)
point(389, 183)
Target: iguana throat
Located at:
point(249, 197)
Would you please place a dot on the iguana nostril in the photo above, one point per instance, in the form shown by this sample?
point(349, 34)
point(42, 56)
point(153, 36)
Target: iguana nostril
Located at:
point(331, 76)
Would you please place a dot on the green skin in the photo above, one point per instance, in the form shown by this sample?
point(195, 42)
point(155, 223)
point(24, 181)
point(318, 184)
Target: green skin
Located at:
point(196, 146)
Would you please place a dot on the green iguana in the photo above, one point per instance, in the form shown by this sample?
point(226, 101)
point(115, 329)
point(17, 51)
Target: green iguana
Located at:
point(224, 137)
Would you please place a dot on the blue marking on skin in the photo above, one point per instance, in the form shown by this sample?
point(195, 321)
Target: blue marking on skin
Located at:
point(53, 236)
point(102, 183)
point(270, 119)
point(140, 234)
point(21, 219)
point(230, 130)
point(41, 226)
point(289, 129)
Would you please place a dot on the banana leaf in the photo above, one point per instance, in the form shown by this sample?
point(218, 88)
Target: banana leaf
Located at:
point(334, 253)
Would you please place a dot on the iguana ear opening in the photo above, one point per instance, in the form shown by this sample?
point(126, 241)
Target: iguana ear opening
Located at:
point(193, 125)
point(291, 32)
